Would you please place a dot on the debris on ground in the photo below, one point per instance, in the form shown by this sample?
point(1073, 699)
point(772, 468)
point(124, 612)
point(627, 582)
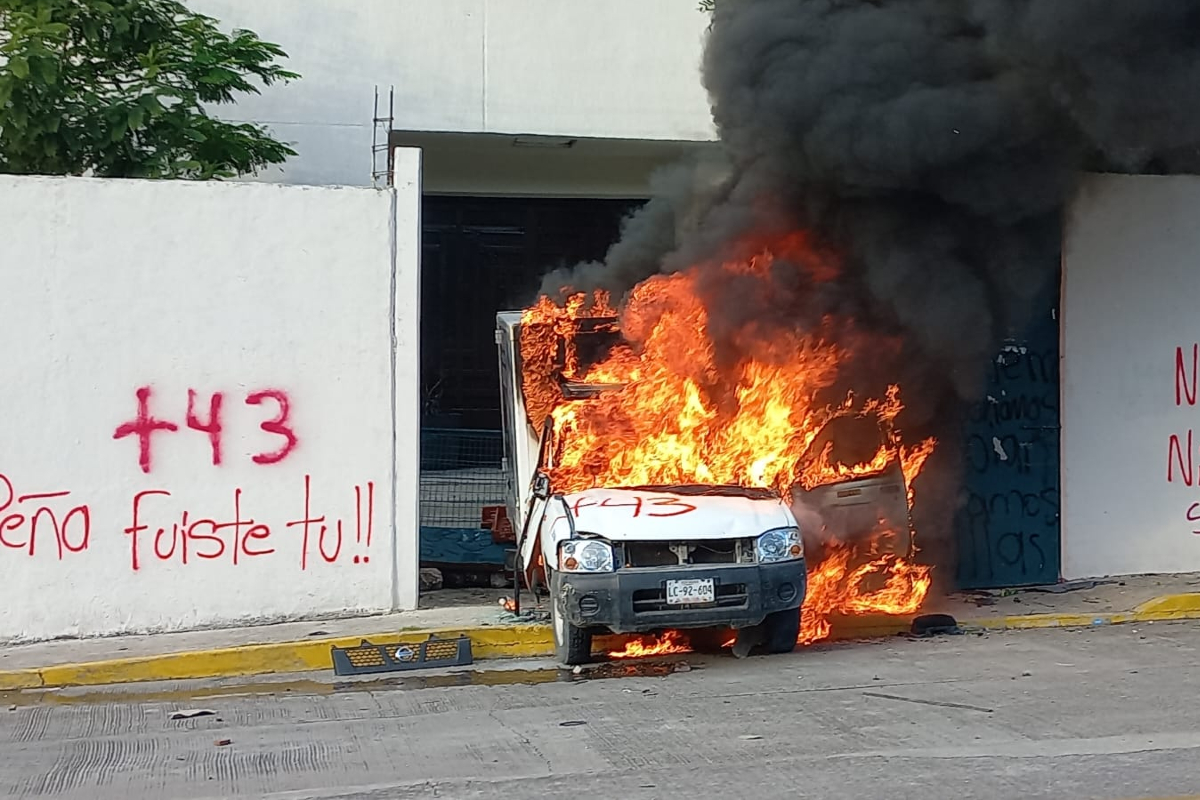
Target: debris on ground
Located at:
point(1070, 586)
point(623, 669)
point(528, 616)
point(934, 624)
point(369, 658)
point(192, 713)
point(992, 594)
point(431, 579)
point(985, 597)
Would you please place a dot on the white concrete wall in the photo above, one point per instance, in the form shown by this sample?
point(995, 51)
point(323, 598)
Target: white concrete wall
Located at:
point(1131, 427)
point(625, 69)
point(279, 301)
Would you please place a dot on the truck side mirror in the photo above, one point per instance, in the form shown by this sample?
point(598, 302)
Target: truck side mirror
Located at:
point(541, 486)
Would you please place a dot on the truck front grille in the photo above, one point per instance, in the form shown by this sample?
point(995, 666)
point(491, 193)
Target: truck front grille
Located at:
point(649, 554)
point(729, 595)
point(661, 554)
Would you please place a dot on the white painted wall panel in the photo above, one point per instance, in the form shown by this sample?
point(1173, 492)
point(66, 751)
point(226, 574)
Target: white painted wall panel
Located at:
point(1131, 503)
point(275, 302)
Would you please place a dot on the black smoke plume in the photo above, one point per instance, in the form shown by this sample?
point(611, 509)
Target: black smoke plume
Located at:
point(933, 146)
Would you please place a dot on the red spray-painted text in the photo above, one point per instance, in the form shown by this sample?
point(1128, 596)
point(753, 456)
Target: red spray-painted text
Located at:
point(144, 425)
point(29, 518)
point(162, 529)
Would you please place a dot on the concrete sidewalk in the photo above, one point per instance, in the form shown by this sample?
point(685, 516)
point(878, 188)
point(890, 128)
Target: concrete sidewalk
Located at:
point(305, 646)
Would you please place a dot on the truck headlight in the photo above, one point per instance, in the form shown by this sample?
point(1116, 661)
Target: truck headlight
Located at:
point(585, 556)
point(781, 544)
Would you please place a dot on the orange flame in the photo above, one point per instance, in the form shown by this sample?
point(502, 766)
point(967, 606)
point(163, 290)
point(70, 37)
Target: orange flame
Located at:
point(749, 412)
point(670, 642)
point(835, 587)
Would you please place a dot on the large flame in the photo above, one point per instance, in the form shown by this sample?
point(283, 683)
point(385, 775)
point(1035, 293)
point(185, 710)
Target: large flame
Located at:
point(836, 586)
point(689, 412)
point(643, 646)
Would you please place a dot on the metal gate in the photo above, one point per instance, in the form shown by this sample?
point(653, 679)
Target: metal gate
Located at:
point(1009, 528)
point(481, 255)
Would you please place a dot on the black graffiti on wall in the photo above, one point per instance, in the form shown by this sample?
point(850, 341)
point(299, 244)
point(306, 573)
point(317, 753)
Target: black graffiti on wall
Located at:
point(1009, 522)
point(1012, 530)
point(1026, 453)
point(1022, 391)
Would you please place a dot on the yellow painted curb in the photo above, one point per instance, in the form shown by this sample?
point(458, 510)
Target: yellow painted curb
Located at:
point(261, 659)
point(12, 680)
point(868, 626)
point(1167, 607)
point(1032, 621)
point(1185, 604)
point(508, 641)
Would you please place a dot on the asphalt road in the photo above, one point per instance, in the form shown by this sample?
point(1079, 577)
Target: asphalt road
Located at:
point(1098, 714)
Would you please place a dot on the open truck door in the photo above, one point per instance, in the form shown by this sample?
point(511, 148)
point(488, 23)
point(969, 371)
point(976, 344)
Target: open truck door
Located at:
point(529, 536)
point(868, 507)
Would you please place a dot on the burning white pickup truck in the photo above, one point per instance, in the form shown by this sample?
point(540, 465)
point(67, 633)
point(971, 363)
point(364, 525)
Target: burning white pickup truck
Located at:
point(647, 558)
point(627, 556)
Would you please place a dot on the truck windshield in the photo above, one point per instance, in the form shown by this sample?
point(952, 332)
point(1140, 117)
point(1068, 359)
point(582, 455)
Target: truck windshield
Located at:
point(697, 489)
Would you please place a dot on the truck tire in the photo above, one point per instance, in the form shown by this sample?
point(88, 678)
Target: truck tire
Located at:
point(781, 629)
point(572, 645)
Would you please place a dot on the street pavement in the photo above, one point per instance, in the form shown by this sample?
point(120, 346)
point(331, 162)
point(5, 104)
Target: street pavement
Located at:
point(1105, 713)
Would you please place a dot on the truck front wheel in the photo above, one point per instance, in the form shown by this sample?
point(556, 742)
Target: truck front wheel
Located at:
point(781, 629)
point(572, 645)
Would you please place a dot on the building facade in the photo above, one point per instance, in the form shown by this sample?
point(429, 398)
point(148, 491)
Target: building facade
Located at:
point(541, 123)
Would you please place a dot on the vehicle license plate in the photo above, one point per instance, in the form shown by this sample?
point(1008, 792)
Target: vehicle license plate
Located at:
point(687, 592)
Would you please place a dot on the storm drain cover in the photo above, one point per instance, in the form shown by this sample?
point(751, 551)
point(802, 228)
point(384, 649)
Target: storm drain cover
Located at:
point(367, 657)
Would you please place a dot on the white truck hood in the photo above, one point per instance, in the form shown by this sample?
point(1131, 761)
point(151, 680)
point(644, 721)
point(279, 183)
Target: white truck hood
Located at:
point(649, 515)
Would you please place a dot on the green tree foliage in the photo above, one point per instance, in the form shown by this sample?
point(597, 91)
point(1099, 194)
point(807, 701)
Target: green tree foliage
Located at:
point(122, 88)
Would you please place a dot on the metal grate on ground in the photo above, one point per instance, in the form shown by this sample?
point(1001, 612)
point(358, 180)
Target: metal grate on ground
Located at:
point(367, 658)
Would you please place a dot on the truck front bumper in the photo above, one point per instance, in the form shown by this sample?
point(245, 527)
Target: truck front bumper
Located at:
point(634, 600)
